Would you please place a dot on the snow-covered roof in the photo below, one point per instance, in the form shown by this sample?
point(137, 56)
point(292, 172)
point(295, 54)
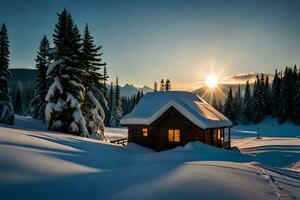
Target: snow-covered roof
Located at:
point(190, 105)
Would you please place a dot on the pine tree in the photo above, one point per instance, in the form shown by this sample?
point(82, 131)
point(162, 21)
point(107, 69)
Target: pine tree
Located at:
point(268, 97)
point(246, 110)
point(257, 102)
point(117, 112)
point(110, 103)
point(106, 95)
point(229, 110)
point(263, 95)
point(18, 103)
point(65, 95)
point(6, 106)
point(220, 106)
point(105, 77)
point(296, 102)
point(286, 96)
point(94, 84)
point(168, 85)
point(38, 103)
point(162, 85)
point(275, 95)
point(237, 102)
point(155, 87)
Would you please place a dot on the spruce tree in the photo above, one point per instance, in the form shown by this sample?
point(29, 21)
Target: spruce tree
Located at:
point(229, 110)
point(237, 102)
point(268, 97)
point(220, 106)
point(275, 95)
point(117, 112)
point(286, 96)
point(263, 95)
point(105, 77)
point(257, 102)
point(162, 85)
point(18, 103)
point(168, 85)
point(246, 109)
point(6, 106)
point(65, 95)
point(155, 87)
point(94, 84)
point(110, 103)
point(296, 102)
point(38, 103)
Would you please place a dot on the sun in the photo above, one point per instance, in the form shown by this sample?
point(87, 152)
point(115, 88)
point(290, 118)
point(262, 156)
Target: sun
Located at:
point(211, 81)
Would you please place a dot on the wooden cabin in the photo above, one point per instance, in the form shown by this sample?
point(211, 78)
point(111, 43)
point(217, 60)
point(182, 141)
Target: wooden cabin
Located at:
point(167, 119)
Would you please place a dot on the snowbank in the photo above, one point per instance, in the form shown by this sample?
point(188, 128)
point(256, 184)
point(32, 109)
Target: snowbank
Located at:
point(36, 164)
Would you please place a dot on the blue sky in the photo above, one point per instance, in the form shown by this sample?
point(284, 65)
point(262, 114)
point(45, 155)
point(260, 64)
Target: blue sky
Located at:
point(144, 41)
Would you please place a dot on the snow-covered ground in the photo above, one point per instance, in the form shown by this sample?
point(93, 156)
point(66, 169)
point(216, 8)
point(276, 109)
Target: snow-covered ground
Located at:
point(37, 164)
point(268, 128)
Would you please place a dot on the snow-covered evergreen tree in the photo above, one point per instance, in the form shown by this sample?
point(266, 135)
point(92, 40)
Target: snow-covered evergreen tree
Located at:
point(116, 112)
point(18, 102)
point(168, 85)
point(6, 106)
point(246, 109)
point(65, 95)
point(229, 110)
point(38, 103)
point(94, 86)
point(257, 102)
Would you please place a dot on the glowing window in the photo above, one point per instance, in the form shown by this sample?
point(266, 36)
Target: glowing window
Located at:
point(174, 135)
point(145, 132)
point(219, 134)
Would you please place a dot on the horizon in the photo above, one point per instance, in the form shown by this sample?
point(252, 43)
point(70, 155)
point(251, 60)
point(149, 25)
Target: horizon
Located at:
point(207, 37)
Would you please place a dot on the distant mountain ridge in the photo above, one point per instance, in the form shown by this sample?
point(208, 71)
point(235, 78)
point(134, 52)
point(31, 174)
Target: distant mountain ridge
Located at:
point(129, 90)
point(27, 77)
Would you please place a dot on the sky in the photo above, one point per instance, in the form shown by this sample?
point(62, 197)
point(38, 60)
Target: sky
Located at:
point(183, 40)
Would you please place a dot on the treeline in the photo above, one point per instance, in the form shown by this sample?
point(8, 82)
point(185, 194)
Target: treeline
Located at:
point(164, 86)
point(280, 100)
point(128, 103)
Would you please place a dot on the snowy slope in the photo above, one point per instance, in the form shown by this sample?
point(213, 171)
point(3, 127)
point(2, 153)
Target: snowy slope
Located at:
point(36, 164)
point(267, 128)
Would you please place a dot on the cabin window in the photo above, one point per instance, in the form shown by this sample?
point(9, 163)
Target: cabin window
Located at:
point(145, 132)
point(174, 135)
point(219, 134)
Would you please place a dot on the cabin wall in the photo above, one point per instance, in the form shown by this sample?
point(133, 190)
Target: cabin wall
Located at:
point(158, 132)
point(172, 119)
point(135, 134)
